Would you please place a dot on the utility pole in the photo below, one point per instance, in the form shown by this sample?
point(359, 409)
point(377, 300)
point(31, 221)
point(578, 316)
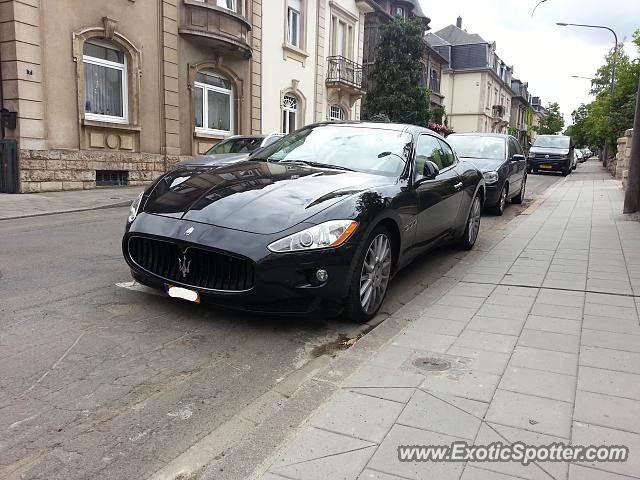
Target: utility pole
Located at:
point(632, 195)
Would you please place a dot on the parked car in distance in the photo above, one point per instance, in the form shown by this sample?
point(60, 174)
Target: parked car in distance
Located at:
point(320, 220)
point(501, 160)
point(552, 153)
point(233, 149)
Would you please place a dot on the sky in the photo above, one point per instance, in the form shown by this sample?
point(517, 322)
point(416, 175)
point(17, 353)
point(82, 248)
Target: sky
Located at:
point(542, 53)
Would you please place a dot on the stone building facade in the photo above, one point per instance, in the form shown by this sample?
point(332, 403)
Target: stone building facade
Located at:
point(619, 165)
point(115, 92)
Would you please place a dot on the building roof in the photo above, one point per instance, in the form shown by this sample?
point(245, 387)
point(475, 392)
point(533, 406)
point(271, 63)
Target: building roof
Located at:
point(453, 35)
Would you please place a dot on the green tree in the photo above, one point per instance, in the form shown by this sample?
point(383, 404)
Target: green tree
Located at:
point(397, 89)
point(553, 121)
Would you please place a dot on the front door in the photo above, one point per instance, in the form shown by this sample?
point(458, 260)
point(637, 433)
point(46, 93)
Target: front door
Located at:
point(439, 198)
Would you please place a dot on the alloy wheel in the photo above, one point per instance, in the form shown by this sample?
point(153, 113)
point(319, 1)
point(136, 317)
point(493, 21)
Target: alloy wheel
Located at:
point(524, 187)
point(474, 221)
point(376, 271)
point(503, 199)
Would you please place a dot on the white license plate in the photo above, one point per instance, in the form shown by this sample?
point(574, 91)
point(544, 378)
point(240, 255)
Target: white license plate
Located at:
point(183, 293)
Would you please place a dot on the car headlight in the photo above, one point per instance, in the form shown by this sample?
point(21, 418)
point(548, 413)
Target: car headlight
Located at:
point(325, 235)
point(532, 155)
point(135, 205)
point(490, 177)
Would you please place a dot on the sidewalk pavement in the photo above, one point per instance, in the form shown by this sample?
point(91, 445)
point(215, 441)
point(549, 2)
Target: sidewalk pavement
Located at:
point(35, 204)
point(539, 342)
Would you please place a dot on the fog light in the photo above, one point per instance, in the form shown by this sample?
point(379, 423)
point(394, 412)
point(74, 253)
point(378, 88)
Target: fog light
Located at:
point(322, 275)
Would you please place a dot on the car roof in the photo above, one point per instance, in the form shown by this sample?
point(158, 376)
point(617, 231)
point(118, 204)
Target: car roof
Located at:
point(481, 134)
point(399, 127)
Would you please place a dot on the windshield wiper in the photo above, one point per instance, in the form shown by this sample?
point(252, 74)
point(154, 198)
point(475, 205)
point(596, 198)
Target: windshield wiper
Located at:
point(316, 164)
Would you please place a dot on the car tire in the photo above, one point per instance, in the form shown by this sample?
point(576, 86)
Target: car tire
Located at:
point(566, 172)
point(523, 187)
point(358, 308)
point(498, 209)
point(472, 227)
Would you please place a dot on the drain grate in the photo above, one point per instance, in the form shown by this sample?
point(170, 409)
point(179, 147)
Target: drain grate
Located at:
point(432, 364)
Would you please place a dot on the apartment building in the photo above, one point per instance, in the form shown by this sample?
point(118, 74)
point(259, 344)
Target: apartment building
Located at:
point(476, 82)
point(521, 112)
point(538, 114)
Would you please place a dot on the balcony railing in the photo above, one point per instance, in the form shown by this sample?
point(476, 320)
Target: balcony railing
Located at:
point(342, 72)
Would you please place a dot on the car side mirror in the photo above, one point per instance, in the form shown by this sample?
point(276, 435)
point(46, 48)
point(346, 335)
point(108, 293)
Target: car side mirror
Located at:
point(430, 170)
point(517, 158)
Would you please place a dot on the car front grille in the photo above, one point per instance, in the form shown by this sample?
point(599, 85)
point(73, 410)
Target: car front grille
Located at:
point(551, 156)
point(192, 266)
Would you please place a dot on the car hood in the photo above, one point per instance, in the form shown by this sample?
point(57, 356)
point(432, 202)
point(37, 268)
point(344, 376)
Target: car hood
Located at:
point(254, 196)
point(219, 159)
point(484, 164)
point(552, 150)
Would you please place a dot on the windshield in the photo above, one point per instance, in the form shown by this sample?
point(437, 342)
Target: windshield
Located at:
point(235, 145)
point(370, 150)
point(552, 141)
point(478, 146)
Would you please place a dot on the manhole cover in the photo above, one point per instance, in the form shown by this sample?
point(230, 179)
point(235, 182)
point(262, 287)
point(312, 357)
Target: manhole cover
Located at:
point(433, 364)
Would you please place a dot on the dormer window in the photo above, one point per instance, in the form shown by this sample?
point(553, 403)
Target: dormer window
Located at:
point(401, 12)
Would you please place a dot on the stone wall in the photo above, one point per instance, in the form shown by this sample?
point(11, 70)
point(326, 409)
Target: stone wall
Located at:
point(53, 170)
point(619, 166)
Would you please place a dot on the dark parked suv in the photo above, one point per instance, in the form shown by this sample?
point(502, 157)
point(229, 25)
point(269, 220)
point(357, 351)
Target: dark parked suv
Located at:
point(552, 152)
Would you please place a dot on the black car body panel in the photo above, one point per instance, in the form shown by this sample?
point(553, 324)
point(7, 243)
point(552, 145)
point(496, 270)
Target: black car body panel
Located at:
point(228, 215)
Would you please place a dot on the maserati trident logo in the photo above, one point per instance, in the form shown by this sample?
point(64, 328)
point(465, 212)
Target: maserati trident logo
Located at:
point(189, 231)
point(183, 265)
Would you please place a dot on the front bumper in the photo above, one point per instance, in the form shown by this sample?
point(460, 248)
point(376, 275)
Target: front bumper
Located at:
point(284, 283)
point(551, 164)
point(493, 194)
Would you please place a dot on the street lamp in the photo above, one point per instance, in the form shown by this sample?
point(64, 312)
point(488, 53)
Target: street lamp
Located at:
point(613, 67)
point(584, 78)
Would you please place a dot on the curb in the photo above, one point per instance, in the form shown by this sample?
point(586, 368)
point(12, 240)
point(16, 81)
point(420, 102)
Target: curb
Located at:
point(72, 210)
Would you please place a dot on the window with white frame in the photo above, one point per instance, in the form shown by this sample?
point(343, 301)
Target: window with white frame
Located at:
point(341, 37)
point(401, 12)
point(336, 113)
point(228, 4)
point(105, 82)
point(213, 103)
point(294, 23)
point(289, 114)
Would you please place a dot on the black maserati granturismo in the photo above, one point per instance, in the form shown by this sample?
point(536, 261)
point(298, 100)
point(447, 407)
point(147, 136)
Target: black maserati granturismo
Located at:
point(320, 220)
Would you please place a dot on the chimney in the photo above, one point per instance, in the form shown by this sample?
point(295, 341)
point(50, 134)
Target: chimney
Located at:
point(459, 22)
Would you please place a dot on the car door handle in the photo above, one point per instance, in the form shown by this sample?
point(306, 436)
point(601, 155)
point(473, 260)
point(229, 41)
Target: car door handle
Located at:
point(458, 186)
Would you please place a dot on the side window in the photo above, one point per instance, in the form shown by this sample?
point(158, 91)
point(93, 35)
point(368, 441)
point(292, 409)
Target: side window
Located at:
point(428, 149)
point(448, 158)
point(512, 148)
point(519, 148)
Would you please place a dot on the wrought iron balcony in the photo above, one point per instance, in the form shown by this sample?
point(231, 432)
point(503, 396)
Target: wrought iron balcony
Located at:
point(344, 73)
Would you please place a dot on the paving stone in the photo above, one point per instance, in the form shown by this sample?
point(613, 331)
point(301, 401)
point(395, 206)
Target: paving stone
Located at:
point(620, 384)
point(433, 342)
point(482, 360)
point(312, 443)
point(528, 270)
point(609, 324)
point(587, 434)
point(506, 326)
point(459, 314)
point(374, 475)
point(524, 279)
point(559, 311)
point(271, 476)
point(575, 281)
point(616, 341)
point(607, 411)
point(377, 376)
point(472, 384)
point(509, 290)
point(540, 383)
point(356, 415)
point(473, 473)
point(465, 301)
point(488, 435)
point(429, 412)
point(512, 435)
point(502, 311)
point(565, 298)
point(482, 278)
point(510, 300)
point(486, 341)
point(538, 414)
point(428, 324)
point(557, 362)
point(578, 472)
point(572, 268)
point(600, 275)
point(559, 342)
point(609, 286)
point(400, 394)
point(386, 457)
point(610, 359)
point(615, 311)
point(553, 324)
point(472, 289)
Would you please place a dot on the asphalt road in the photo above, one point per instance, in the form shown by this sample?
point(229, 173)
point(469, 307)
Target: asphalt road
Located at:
point(100, 381)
